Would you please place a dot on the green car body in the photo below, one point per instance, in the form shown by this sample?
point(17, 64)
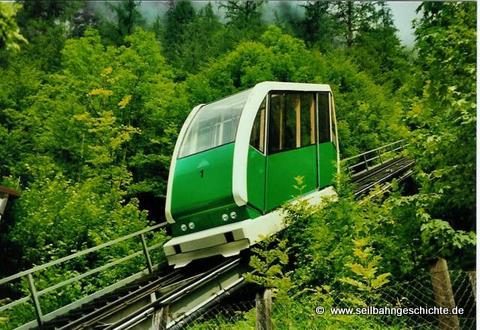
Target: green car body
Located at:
point(243, 157)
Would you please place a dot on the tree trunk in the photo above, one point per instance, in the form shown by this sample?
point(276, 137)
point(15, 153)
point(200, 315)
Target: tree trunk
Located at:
point(349, 23)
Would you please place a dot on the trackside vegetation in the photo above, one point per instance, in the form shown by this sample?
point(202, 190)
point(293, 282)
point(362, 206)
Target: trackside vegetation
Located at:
point(92, 97)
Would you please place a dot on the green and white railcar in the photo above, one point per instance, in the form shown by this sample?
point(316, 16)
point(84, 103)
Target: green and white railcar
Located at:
point(234, 165)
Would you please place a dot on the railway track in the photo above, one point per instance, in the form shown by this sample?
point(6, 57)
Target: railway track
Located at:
point(219, 274)
point(399, 168)
point(133, 306)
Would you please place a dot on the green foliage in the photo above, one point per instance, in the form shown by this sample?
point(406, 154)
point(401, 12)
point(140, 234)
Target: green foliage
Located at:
point(245, 15)
point(444, 117)
point(338, 253)
point(79, 133)
point(22, 79)
point(126, 17)
point(368, 115)
point(46, 42)
point(192, 38)
point(390, 67)
point(364, 278)
point(268, 265)
point(325, 240)
point(299, 184)
point(363, 30)
point(178, 16)
point(10, 36)
point(47, 24)
point(357, 17)
point(49, 10)
point(69, 217)
point(317, 249)
point(109, 105)
point(440, 239)
point(317, 27)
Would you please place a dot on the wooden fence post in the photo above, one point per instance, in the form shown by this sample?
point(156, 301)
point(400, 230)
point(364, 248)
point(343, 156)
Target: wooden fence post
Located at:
point(442, 290)
point(160, 318)
point(263, 302)
point(473, 281)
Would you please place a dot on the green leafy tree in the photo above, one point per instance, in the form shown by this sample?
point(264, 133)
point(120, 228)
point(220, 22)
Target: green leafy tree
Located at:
point(178, 17)
point(126, 17)
point(444, 116)
point(126, 88)
point(192, 38)
point(287, 17)
point(81, 134)
point(378, 51)
point(21, 80)
point(79, 216)
point(46, 24)
point(353, 17)
point(243, 14)
point(10, 36)
point(318, 25)
point(244, 20)
point(49, 10)
point(83, 19)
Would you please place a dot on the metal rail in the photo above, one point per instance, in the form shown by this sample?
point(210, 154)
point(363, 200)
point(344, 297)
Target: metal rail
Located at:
point(397, 168)
point(35, 295)
point(380, 154)
point(210, 302)
point(146, 311)
point(88, 319)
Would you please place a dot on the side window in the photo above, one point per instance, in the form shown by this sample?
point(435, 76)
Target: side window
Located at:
point(275, 123)
point(257, 137)
point(291, 121)
point(323, 117)
point(307, 119)
point(215, 124)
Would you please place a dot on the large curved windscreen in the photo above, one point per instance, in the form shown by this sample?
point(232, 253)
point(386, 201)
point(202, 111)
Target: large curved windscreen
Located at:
point(214, 124)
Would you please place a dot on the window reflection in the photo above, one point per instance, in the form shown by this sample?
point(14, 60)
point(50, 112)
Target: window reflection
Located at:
point(323, 117)
point(291, 121)
point(257, 138)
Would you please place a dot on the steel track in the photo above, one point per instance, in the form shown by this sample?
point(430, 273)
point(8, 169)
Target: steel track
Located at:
point(147, 311)
point(174, 284)
point(395, 168)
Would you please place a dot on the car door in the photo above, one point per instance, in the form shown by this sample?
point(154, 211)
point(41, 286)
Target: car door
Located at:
point(257, 161)
point(291, 161)
point(327, 152)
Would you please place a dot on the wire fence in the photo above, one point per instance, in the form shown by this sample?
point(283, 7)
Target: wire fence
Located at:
point(397, 305)
point(231, 316)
